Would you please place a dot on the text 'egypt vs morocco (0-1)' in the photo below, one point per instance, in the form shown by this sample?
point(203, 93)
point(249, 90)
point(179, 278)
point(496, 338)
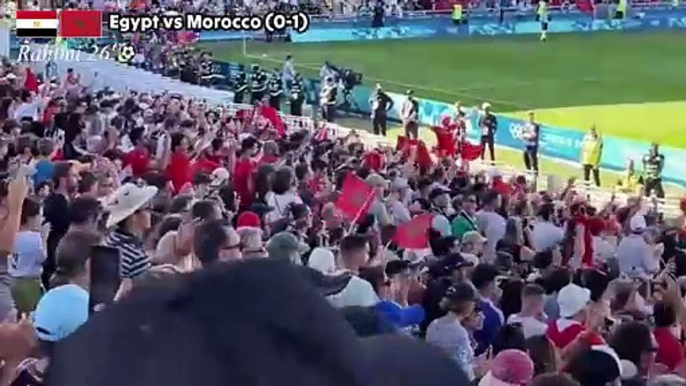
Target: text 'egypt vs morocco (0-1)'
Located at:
point(270, 22)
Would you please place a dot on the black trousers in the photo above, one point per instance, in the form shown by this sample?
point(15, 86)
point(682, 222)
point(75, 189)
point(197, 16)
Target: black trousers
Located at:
point(596, 174)
point(654, 184)
point(488, 141)
point(379, 124)
point(275, 103)
point(238, 97)
point(531, 159)
point(297, 108)
point(329, 112)
point(256, 97)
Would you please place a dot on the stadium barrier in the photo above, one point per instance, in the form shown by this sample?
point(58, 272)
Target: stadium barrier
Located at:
point(122, 79)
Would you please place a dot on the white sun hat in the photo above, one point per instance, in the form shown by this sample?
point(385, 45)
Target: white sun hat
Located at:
point(126, 200)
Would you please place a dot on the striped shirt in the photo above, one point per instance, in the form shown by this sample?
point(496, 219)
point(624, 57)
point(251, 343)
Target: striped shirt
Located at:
point(134, 260)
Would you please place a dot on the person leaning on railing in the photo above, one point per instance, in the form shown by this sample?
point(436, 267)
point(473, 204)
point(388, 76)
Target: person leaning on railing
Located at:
point(631, 182)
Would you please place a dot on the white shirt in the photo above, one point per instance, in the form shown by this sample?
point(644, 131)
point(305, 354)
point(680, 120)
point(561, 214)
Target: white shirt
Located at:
point(492, 226)
point(546, 235)
point(530, 325)
point(280, 202)
point(288, 71)
point(29, 255)
point(602, 249)
point(636, 258)
point(358, 292)
point(27, 110)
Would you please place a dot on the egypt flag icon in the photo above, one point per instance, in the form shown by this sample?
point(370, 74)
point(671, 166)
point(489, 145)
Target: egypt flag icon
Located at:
point(36, 24)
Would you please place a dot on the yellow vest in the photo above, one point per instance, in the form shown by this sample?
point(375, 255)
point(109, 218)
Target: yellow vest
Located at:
point(457, 12)
point(590, 151)
point(622, 6)
point(629, 183)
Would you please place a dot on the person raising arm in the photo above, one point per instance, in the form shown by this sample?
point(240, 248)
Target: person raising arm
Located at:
point(17, 192)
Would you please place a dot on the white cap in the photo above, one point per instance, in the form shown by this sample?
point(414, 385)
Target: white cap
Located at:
point(637, 223)
point(572, 299)
point(485, 106)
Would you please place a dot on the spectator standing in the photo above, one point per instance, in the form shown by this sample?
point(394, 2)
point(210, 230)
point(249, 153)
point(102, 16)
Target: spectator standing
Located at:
point(484, 280)
point(491, 223)
point(637, 259)
point(449, 332)
point(530, 135)
point(26, 263)
point(531, 317)
point(653, 163)
point(465, 221)
point(358, 292)
point(488, 124)
point(545, 234)
point(55, 206)
point(591, 154)
point(129, 220)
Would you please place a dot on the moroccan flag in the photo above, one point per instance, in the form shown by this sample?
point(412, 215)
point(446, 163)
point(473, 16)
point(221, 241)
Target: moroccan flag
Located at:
point(423, 156)
point(80, 23)
point(31, 82)
point(373, 160)
point(415, 233)
point(445, 141)
point(470, 152)
point(36, 24)
point(356, 197)
point(272, 115)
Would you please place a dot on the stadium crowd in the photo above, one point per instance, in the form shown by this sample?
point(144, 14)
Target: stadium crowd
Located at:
point(255, 249)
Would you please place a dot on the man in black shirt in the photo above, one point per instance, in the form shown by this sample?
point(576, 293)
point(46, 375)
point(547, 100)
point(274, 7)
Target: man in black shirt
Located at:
point(381, 104)
point(653, 163)
point(258, 84)
point(488, 124)
point(275, 90)
point(297, 96)
point(241, 87)
point(56, 208)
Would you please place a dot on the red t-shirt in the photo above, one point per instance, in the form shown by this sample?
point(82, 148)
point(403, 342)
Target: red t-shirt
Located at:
point(139, 159)
point(562, 332)
point(669, 351)
point(242, 174)
point(179, 170)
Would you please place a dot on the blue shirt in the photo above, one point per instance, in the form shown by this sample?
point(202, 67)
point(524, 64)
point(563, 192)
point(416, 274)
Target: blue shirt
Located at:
point(44, 171)
point(493, 320)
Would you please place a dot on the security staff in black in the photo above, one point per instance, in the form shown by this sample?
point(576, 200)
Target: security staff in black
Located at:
point(488, 124)
point(530, 135)
point(297, 96)
point(381, 104)
point(258, 84)
point(241, 87)
point(653, 163)
point(275, 91)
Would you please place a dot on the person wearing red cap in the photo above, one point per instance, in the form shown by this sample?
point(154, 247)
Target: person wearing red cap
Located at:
point(249, 228)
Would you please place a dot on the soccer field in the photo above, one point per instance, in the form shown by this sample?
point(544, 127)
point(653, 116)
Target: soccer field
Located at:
point(630, 85)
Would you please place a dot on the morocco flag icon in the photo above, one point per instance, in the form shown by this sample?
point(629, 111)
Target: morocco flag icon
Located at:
point(77, 23)
point(36, 24)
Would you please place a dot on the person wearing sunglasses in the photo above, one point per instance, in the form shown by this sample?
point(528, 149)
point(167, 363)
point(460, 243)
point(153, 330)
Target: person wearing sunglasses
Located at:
point(214, 241)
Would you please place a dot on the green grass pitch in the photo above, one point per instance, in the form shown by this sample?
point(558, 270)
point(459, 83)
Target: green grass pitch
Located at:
point(630, 85)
